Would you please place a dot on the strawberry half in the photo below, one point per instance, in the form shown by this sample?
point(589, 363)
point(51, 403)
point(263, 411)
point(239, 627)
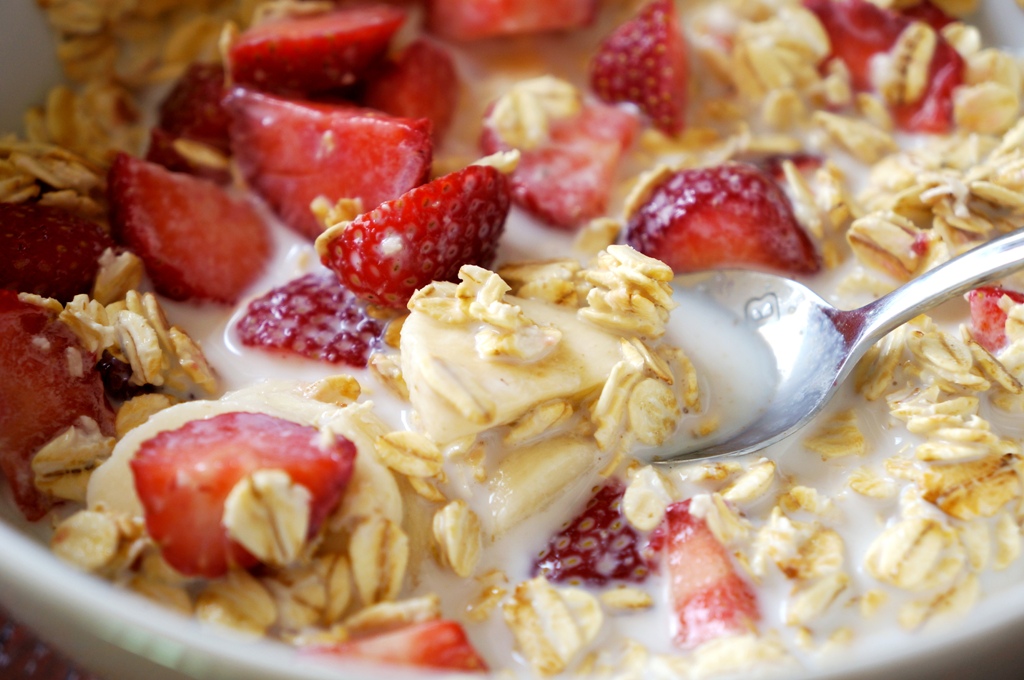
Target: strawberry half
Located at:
point(47, 381)
point(644, 62)
point(313, 316)
point(859, 30)
point(292, 152)
point(438, 644)
point(48, 251)
point(567, 179)
point(988, 321)
point(426, 235)
point(596, 546)
point(198, 241)
point(709, 598)
point(421, 83)
point(192, 110)
point(183, 477)
point(929, 13)
point(731, 215)
point(477, 19)
point(314, 53)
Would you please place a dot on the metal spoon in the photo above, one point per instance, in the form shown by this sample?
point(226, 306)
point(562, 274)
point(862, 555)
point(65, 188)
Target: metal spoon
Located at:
point(816, 346)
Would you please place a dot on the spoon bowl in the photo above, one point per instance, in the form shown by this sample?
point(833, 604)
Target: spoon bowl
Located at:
point(816, 346)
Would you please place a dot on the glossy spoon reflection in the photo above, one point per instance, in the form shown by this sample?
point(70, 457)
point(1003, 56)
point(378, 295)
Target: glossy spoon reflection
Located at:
point(816, 346)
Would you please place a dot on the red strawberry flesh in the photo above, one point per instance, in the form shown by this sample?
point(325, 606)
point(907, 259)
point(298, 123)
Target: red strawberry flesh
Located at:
point(184, 476)
point(308, 54)
point(988, 320)
point(859, 31)
point(192, 109)
point(197, 240)
point(292, 152)
point(313, 316)
point(567, 180)
point(440, 644)
point(644, 61)
point(421, 83)
point(48, 251)
point(929, 13)
point(47, 382)
point(597, 546)
point(426, 235)
point(476, 19)
point(731, 215)
point(709, 598)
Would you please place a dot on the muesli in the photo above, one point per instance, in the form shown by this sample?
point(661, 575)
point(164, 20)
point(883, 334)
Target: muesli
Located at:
point(350, 325)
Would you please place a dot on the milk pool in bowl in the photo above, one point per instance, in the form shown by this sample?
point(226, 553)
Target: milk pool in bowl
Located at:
point(122, 635)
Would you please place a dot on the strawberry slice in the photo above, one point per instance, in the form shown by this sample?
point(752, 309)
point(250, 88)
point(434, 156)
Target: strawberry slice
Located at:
point(162, 150)
point(644, 62)
point(567, 180)
point(731, 215)
point(293, 152)
point(183, 477)
point(929, 13)
point(192, 110)
point(197, 240)
point(988, 321)
point(860, 30)
point(709, 598)
point(421, 83)
point(597, 546)
point(934, 111)
point(477, 19)
point(47, 381)
point(313, 316)
point(440, 644)
point(313, 53)
point(48, 251)
point(425, 235)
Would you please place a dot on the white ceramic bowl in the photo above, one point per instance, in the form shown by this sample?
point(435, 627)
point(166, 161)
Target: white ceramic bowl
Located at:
point(121, 636)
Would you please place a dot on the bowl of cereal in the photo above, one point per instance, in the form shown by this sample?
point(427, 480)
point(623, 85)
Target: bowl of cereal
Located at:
point(342, 339)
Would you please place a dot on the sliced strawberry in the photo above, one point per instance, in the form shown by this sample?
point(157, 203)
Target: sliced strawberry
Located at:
point(314, 316)
point(313, 53)
point(438, 644)
point(988, 321)
point(644, 62)
point(860, 30)
point(567, 179)
point(162, 151)
point(934, 111)
point(293, 152)
point(731, 215)
point(929, 13)
point(193, 111)
point(198, 241)
point(47, 382)
point(476, 19)
point(183, 477)
point(421, 83)
point(596, 546)
point(48, 251)
point(709, 598)
point(425, 235)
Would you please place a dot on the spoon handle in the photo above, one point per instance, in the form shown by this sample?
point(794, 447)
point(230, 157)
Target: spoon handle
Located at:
point(993, 260)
